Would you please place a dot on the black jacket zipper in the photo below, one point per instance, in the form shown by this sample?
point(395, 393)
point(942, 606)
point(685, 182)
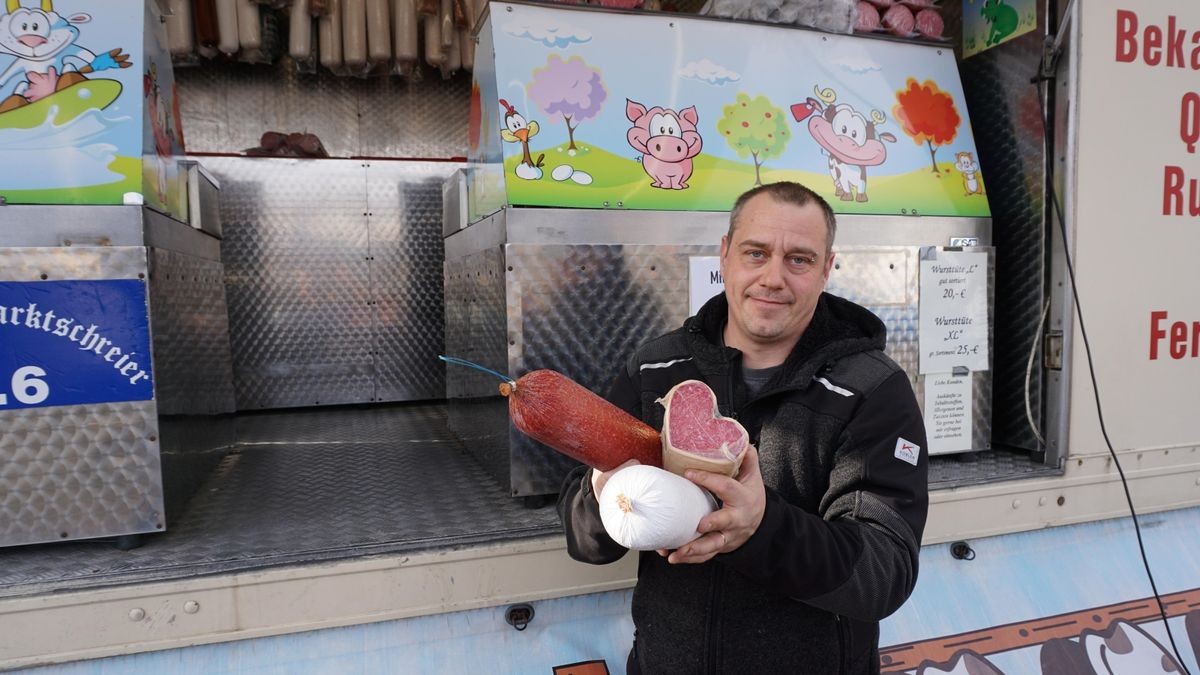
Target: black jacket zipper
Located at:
point(714, 621)
point(843, 648)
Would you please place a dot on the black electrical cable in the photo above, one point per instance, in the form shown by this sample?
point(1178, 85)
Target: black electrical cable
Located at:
point(1162, 611)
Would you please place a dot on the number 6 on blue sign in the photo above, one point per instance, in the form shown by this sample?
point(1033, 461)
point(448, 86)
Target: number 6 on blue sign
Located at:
point(27, 388)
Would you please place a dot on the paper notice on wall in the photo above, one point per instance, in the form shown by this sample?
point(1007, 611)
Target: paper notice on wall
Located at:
point(704, 280)
point(954, 312)
point(948, 418)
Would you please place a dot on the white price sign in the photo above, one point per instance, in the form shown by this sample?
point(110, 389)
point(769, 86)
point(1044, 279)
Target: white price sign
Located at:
point(704, 280)
point(954, 312)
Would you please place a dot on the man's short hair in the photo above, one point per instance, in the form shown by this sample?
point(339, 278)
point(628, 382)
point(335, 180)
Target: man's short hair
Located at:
point(786, 192)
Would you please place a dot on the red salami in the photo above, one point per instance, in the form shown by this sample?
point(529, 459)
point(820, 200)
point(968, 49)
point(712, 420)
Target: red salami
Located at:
point(929, 23)
point(882, 4)
point(899, 21)
point(868, 18)
point(696, 436)
point(554, 409)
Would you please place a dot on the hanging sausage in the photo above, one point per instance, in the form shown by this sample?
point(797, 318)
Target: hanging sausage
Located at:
point(453, 56)
point(179, 28)
point(249, 30)
point(466, 46)
point(227, 26)
point(207, 33)
point(406, 41)
point(354, 34)
point(379, 33)
point(446, 14)
point(329, 35)
point(434, 55)
point(300, 31)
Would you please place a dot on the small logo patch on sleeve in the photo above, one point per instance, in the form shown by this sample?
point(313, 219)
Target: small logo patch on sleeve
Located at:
point(907, 451)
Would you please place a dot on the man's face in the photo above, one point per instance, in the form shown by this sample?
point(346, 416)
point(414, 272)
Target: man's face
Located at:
point(775, 268)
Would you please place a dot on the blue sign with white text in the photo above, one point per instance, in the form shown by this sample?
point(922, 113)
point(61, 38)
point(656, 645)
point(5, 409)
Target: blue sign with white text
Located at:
point(74, 342)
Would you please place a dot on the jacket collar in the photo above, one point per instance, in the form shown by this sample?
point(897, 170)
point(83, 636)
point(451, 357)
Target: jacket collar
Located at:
point(838, 328)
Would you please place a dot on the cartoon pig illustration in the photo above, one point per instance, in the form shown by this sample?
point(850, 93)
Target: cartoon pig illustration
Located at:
point(668, 141)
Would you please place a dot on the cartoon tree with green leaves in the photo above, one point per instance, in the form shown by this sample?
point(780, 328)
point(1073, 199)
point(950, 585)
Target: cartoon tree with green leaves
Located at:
point(755, 128)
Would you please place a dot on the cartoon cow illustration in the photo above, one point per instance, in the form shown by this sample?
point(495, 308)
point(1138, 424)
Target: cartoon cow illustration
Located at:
point(668, 141)
point(851, 142)
point(517, 130)
point(48, 56)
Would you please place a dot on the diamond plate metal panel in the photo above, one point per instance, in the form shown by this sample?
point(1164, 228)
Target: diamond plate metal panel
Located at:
point(334, 279)
point(404, 212)
point(226, 108)
point(581, 310)
point(307, 486)
point(1008, 133)
point(76, 472)
point(476, 330)
point(296, 275)
point(415, 118)
point(190, 327)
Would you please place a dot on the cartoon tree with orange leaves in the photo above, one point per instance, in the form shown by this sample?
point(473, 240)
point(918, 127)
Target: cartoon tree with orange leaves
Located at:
point(927, 114)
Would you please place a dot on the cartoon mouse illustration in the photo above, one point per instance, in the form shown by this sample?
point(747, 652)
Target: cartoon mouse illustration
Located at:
point(49, 58)
point(517, 130)
point(966, 164)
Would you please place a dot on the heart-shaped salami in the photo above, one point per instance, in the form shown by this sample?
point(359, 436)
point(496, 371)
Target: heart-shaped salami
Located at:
point(696, 436)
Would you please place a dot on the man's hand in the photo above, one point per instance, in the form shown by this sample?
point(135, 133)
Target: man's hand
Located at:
point(599, 478)
point(744, 500)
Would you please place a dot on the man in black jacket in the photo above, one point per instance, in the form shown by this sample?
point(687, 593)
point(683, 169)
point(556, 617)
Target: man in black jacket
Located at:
point(817, 536)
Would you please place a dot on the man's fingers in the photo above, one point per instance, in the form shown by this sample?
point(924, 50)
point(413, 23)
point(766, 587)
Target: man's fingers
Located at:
point(715, 482)
point(749, 463)
point(700, 550)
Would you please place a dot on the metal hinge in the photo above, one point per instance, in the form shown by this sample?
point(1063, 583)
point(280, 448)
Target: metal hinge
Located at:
point(1052, 350)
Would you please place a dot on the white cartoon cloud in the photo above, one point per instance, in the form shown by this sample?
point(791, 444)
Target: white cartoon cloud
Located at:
point(550, 32)
point(707, 71)
point(856, 64)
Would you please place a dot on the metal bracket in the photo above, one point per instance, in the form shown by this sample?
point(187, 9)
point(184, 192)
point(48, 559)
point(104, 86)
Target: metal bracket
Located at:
point(1052, 350)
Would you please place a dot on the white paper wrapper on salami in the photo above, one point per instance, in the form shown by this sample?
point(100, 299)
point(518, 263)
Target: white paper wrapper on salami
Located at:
point(645, 508)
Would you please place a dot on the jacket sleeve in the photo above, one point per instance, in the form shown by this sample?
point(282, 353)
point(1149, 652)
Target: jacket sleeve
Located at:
point(578, 509)
point(858, 556)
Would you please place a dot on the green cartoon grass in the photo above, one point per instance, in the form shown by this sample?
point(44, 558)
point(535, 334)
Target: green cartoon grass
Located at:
point(129, 168)
point(716, 183)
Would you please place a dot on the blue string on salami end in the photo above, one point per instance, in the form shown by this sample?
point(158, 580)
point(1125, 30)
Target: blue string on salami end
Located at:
point(463, 362)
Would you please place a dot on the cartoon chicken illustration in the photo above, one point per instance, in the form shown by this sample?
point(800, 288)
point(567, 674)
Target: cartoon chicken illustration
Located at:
point(517, 130)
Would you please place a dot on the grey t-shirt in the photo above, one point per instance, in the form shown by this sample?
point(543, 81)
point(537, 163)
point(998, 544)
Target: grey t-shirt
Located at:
point(757, 378)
